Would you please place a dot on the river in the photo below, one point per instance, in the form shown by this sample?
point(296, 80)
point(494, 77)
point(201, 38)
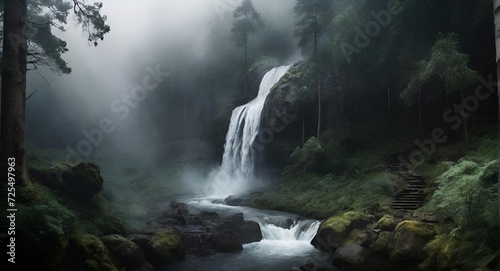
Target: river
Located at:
point(285, 245)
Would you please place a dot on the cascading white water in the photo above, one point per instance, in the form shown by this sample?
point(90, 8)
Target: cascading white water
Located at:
point(304, 230)
point(237, 167)
point(274, 225)
point(239, 156)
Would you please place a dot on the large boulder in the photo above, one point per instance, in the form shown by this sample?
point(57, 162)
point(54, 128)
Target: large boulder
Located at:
point(410, 239)
point(350, 255)
point(382, 244)
point(225, 242)
point(165, 247)
point(249, 232)
point(126, 254)
point(238, 200)
point(87, 252)
point(80, 182)
point(313, 266)
point(333, 232)
point(442, 252)
point(109, 224)
point(358, 237)
point(234, 221)
point(386, 223)
point(176, 214)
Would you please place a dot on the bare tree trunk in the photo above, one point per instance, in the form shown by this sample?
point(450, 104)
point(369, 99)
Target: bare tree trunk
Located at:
point(496, 14)
point(466, 130)
point(303, 130)
point(245, 67)
point(419, 112)
point(319, 81)
point(319, 108)
point(14, 88)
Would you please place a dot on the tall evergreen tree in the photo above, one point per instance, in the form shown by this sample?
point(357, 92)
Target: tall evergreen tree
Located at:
point(27, 39)
point(496, 11)
point(247, 21)
point(313, 18)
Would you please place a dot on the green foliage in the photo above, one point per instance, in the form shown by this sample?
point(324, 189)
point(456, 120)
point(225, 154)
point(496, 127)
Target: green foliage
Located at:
point(305, 159)
point(294, 90)
point(442, 253)
point(325, 196)
point(247, 20)
point(313, 18)
point(447, 63)
point(467, 191)
point(46, 226)
point(87, 252)
point(45, 48)
point(91, 20)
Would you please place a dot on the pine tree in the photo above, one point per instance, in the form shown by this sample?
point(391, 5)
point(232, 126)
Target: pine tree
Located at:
point(313, 18)
point(247, 21)
point(27, 39)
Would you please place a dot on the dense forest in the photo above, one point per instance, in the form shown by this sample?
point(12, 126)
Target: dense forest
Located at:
point(245, 135)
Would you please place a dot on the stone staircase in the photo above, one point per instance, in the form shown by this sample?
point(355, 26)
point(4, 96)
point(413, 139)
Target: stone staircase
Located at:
point(412, 196)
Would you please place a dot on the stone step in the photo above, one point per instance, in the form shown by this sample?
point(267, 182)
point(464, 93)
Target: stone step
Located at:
point(406, 205)
point(417, 182)
point(415, 187)
point(413, 191)
point(410, 198)
point(411, 194)
point(406, 202)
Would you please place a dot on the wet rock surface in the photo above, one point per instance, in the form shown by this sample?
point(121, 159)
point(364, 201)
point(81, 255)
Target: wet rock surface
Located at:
point(206, 233)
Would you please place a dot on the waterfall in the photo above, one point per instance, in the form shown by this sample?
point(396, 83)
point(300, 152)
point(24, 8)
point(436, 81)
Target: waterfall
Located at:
point(239, 156)
point(303, 230)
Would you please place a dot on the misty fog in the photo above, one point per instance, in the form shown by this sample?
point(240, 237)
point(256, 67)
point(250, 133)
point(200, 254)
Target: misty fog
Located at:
point(172, 34)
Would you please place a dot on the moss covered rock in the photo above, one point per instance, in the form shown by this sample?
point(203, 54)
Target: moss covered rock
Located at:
point(87, 252)
point(109, 224)
point(125, 253)
point(442, 251)
point(386, 223)
point(382, 244)
point(356, 236)
point(80, 182)
point(409, 241)
point(294, 90)
point(165, 247)
point(334, 231)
